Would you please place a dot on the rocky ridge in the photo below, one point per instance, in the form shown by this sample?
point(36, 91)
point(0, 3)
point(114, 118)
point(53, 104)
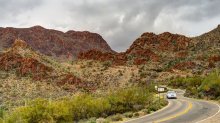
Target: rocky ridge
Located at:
point(52, 42)
point(167, 52)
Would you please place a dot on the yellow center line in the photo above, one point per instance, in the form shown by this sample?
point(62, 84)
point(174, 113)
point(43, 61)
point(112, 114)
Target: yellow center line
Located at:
point(178, 114)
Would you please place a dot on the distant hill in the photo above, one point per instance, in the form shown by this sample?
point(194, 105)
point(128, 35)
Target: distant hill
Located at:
point(52, 42)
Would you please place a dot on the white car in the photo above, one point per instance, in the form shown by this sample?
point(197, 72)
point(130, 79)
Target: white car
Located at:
point(171, 95)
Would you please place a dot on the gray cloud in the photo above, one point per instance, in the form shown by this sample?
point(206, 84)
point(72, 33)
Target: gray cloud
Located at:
point(120, 22)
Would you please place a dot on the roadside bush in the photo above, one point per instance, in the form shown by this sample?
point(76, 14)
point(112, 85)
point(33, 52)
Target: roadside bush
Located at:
point(136, 114)
point(85, 106)
point(153, 108)
point(128, 114)
point(211, 85)
point(82, 106)
point(35, 113)
point(125, 100)
point(199, 87)
point(117, 117)
point(186, 82)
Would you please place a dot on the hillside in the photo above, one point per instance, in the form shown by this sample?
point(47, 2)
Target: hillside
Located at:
point(26, 72)
point(167, 53)
point(52, 42)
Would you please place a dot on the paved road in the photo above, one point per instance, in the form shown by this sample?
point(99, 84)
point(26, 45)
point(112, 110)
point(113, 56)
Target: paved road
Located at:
point(181, 110)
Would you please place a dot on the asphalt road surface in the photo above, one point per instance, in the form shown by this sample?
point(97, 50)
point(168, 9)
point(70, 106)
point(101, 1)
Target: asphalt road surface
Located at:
point(181, 110)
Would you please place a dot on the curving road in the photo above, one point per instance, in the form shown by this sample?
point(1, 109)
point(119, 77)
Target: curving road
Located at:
point(181, 110)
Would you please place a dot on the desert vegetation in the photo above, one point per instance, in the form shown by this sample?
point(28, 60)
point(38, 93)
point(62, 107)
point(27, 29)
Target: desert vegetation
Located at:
point(52, 84)
point(84, 106)
point(199, 86)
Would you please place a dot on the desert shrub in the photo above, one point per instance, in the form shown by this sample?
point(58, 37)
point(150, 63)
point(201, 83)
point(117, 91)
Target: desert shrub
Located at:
point(173, 62)
point(60, 111)
point(102, 120)
point(91, 120)
point(1, 115)
point(107, 64)
point(143, 74)
point(120, 73)
point(124, 100)
point(136, 114)
point(128, 114)
point(117, 117)
point(199, 87)
point(163, 103)
point(1, 112)
point(35, 113)
point(81, 106)
point(85, 106)
point(153, 108)
point(211, 85)
point(184, 83)
point(145, 111)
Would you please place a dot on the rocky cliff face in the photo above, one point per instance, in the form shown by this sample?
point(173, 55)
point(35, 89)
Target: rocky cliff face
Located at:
point(52, 42)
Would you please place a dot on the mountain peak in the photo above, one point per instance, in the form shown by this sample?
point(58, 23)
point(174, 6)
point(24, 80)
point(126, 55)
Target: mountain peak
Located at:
point(218, 27)
point(148, 34)
point(18, 43)
point(38, 27)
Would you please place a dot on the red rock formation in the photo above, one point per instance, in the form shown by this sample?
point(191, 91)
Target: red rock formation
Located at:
point(184, 65)
point(116, 58)
point(11, 60)
point(52, 42)
point(73, 83)
point(162, 42)
point(146, 48)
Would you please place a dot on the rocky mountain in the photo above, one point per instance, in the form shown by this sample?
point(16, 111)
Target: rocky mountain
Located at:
point(52, 42)
point(167, 52)
point(148, 47)
point(24, 62)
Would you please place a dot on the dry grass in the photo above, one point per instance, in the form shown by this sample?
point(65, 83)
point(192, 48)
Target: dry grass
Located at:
point(111, 77)
point(15, 91)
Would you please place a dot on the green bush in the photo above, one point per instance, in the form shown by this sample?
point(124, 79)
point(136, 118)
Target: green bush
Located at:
point(186, 82)
point(199, 87)
point(117, 117)
point(82, 106)
point(36, 112)
point(107, 64)
point(211, 85)
point(128, 114)
point(124, 100)
point(1, 112)
point(1, 120)
point(136, 114)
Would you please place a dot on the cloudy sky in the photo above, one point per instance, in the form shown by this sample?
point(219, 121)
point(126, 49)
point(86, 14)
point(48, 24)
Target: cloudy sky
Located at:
point(120, 22)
